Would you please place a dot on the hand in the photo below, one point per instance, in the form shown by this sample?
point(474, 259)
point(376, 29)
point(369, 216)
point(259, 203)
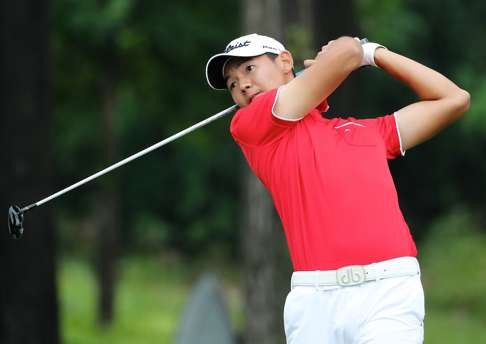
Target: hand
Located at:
point(331, 66)
point(368, 52)
point(324, 48)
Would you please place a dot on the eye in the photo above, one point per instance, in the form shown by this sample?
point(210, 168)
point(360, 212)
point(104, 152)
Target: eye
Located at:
point(250, 67)
point(232, 85)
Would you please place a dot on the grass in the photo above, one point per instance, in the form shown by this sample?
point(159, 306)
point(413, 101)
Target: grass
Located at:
point(446, 326)
point(454, 276)
point(150, 299)
point(152, 291)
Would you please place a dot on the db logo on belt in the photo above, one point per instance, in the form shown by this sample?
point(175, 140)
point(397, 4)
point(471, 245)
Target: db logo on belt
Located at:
point(350, 275)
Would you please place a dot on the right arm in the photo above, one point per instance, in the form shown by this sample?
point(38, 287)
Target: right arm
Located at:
point(325, 73)
point(441, 101)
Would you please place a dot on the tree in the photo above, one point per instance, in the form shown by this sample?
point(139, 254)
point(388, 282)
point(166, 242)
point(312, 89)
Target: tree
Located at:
point(92, 32)
point(333, 19)
point(266, 264)
point(127, 75)
point(28, 304)
point(430, 180)
point(107, 211)
point(267, 270)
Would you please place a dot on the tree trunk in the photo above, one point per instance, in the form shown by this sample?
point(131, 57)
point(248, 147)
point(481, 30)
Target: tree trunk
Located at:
point(266, 266)
point(107, 211)
point(107, 254)
point(333, 19)
point(266, 263)
point(28, 303)
point(263, 17)
point(301, 24)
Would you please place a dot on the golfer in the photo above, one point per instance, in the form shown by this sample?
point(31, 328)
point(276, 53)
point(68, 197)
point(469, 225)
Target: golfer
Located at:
point(356, 277)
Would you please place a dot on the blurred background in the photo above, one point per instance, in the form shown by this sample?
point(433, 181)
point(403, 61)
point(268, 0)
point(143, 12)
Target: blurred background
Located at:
point(86, 83)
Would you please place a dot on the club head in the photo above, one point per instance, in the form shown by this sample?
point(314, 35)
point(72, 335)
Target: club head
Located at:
point(15, 221)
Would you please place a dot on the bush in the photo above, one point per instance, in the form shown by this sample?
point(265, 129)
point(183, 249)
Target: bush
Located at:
point(453, 260)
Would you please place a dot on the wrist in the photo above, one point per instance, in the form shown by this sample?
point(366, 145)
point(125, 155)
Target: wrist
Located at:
point(369, 53)
point(379, 57)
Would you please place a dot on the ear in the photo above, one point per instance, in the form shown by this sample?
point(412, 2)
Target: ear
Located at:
point(286, 61)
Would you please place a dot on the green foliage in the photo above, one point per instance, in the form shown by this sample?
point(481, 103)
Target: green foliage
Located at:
point(299, 41)
point(150, 299)
point(455, 273)
point(390, 22)
point(187, 194)
point(153, 291)
point(448, 170)
point(475, 122)
point(454, 277)
point(154, 55)
point(96, 20)
point(453, 327)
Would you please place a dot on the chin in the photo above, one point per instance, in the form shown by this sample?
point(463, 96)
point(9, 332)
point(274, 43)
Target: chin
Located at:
point(243, 104)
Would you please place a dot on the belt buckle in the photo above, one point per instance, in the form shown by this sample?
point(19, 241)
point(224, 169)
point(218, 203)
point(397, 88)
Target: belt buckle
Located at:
point(350, 275)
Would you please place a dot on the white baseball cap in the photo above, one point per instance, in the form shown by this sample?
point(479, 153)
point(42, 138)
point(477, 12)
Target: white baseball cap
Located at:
point(244, 46)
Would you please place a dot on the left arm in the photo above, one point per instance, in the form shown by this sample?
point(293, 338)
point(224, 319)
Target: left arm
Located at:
point(441, 101)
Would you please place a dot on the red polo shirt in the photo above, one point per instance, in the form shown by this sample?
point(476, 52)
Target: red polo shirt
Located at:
point(330, 183)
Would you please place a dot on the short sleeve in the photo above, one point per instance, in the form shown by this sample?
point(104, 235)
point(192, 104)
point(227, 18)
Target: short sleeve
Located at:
point(387, 127)
point(255, 124)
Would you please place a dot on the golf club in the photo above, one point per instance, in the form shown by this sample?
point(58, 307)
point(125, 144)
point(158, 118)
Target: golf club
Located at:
point(16, 213)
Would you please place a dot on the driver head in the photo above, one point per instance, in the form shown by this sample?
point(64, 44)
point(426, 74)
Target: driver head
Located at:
point(15, 221)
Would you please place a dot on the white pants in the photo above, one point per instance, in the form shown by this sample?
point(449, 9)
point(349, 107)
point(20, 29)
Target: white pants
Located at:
point(376, 312)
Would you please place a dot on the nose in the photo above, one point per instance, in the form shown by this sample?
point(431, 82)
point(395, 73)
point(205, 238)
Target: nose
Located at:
point(245, 85)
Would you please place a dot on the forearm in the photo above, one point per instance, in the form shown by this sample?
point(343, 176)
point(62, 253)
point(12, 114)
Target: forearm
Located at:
point(323, 75)
point(424, 81)
point(441, 101)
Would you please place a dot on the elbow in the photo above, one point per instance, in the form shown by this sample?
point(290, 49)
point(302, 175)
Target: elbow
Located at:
point(462, 101)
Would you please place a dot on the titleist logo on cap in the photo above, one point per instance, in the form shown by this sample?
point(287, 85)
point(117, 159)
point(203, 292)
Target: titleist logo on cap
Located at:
point(237, 45)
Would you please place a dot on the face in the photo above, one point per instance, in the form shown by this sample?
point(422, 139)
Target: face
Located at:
point(247, 78)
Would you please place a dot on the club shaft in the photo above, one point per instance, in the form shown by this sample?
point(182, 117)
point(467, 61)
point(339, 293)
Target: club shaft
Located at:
point(134, 156)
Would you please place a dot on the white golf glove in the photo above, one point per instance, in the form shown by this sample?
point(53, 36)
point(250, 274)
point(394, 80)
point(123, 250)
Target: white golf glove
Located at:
point(369, 53)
